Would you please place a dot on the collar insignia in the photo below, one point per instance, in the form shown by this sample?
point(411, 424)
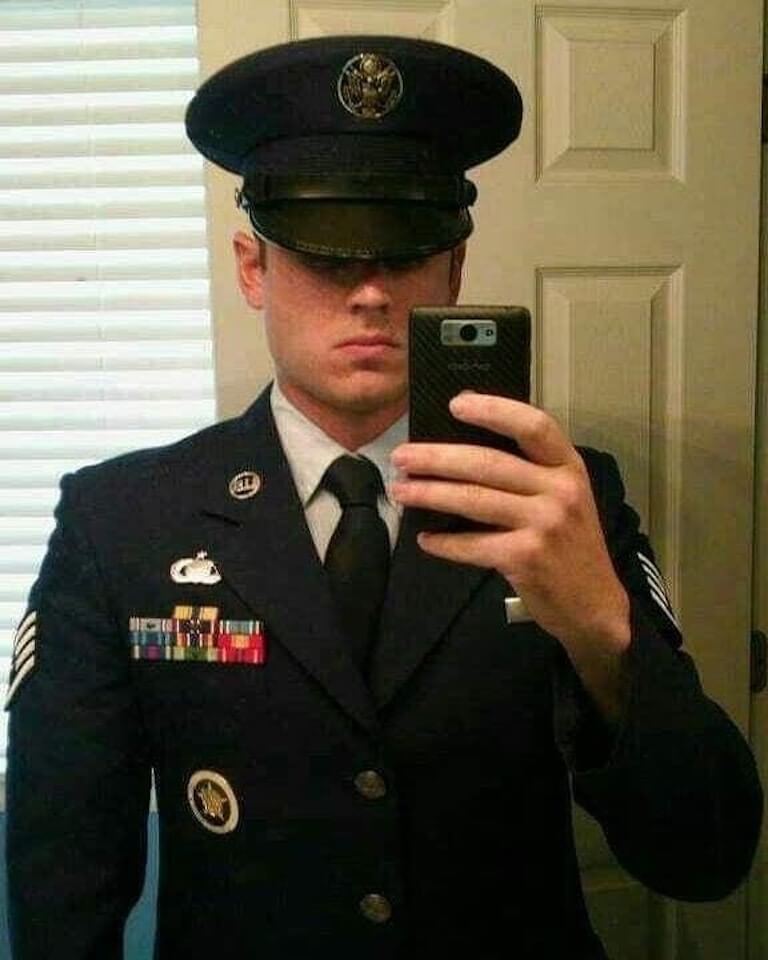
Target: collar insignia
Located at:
point(245, 485)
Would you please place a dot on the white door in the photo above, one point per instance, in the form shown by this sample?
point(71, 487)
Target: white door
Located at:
point(626, 219)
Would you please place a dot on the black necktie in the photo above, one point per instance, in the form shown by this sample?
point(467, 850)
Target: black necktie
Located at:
point(357, 559)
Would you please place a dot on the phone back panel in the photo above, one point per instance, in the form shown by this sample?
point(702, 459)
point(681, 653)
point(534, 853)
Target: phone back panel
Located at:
point(438, 372)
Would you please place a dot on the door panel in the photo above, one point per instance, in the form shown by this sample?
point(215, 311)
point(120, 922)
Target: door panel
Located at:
point(626, 219)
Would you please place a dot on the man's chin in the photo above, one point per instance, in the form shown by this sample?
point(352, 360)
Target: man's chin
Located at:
point(366, 398)
point(365, 405)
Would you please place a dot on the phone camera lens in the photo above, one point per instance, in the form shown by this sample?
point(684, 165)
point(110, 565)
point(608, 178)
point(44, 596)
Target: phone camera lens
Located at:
point(468, 332)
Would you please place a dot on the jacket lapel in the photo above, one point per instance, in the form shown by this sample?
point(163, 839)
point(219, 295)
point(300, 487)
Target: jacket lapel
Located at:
point(424, 597)
point(264, 551)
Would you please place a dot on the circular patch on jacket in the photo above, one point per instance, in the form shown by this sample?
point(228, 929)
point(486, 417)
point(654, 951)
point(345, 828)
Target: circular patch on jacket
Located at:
point(213, 801)
point(370, 86)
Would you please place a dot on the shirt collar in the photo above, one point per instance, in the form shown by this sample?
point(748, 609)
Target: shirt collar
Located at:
point(310, 451)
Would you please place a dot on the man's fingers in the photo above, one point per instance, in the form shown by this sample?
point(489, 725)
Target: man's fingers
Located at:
point(468, 500)
point(537, 433)
point(488, 549)
point(469, 463)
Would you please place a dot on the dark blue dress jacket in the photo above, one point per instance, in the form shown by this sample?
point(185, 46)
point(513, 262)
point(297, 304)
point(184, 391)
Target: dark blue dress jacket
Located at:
point(472, 735)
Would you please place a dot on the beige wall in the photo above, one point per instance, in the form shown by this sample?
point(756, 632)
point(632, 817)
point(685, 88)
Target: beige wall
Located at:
point(242, 360)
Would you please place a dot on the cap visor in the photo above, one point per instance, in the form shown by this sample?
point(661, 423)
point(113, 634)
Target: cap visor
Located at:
point(364, 231)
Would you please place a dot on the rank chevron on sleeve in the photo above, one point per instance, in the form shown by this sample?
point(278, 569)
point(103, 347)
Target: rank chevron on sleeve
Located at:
point(657, 586)
point(23, 659)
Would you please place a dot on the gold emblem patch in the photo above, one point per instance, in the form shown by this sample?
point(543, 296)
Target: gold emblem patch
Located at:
point(370, 86)
point(213, 801)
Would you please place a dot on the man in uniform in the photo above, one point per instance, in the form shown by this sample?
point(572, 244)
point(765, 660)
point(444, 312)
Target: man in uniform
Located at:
point(364, 735)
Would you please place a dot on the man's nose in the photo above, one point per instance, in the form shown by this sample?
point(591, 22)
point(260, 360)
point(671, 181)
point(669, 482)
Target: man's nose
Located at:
point(371, 287)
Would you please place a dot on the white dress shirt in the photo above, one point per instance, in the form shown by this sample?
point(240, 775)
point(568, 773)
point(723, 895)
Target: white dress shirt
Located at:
point(310, 452)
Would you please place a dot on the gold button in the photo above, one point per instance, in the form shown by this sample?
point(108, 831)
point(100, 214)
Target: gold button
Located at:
point(370, 785)
point(376, 908)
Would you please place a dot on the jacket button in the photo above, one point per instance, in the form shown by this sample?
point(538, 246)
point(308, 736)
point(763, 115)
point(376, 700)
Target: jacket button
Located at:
point(370, 785)
point(376, 908)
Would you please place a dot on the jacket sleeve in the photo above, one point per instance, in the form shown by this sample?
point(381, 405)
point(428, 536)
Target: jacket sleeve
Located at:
point(674, 787)
point(78, 778)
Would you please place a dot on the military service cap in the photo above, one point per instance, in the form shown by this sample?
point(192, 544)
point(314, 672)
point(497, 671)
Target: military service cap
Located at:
point(356, 146)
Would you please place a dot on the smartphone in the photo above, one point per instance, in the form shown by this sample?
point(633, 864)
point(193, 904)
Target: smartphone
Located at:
point(485, 349)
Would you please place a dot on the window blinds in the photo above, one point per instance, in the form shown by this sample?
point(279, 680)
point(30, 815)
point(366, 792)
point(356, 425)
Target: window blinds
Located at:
point(105, 340)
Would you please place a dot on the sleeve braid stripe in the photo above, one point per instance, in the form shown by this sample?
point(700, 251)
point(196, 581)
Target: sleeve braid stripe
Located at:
point(657, 587)
point(18, 679)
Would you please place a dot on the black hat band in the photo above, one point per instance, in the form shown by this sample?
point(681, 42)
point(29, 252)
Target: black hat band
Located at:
point(439, 190)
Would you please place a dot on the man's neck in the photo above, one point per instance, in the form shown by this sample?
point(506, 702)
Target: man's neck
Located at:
point(350, 429)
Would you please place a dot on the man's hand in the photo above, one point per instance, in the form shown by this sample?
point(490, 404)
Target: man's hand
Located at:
point(545, 535)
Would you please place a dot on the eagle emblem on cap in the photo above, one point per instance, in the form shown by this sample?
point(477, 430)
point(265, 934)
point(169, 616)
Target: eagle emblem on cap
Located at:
point(370, 86)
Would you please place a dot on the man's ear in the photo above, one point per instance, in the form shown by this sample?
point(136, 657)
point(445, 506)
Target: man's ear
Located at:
point(250, 254)
point(457, 262)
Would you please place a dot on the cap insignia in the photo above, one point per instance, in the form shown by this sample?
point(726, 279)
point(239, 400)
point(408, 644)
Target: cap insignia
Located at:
point(370, 86)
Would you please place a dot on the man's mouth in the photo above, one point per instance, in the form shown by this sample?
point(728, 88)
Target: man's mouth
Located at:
point(369, 347)
point(372, 340)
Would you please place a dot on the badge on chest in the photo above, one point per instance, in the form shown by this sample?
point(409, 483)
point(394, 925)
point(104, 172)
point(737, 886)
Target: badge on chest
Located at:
point(212, 800)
